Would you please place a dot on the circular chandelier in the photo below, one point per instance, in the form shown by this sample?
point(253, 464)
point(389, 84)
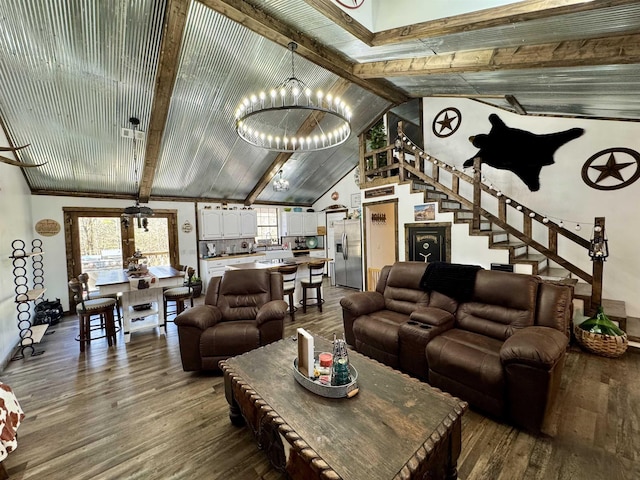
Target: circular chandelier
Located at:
point(272, 119)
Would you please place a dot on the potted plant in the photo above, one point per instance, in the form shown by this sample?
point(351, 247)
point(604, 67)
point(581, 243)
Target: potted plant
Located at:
point(195, 282)
point(377, 137)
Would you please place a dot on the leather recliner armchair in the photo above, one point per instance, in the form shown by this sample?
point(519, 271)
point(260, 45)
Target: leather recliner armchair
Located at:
point(243, 310)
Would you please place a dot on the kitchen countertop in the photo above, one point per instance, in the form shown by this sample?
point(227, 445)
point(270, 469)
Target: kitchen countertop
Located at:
point(257, 254)
point(275, 264)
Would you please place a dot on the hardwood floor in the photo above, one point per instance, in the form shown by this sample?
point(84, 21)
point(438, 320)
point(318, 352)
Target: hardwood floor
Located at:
point(131, 412)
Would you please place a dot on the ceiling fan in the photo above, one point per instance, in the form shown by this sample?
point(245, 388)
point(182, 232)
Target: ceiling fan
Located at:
point(14, 162)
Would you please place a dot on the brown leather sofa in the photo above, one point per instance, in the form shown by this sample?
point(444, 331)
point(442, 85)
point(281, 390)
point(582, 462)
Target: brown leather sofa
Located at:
point(242, 310)
point(502, 349)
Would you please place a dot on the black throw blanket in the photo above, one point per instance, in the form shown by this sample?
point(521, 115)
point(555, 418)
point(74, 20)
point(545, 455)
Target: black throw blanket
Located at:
point(452, 279)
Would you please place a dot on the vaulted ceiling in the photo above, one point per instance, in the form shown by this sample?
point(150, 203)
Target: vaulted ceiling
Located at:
point(72, 73)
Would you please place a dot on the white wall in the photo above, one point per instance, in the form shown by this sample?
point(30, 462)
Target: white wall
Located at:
point(55, 263)
point(345, 188)
point(563, 194)
point(387, 14)
point(16, 223)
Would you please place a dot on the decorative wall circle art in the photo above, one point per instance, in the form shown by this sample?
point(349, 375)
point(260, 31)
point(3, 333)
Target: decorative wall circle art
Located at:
point(612, 168)
point(187, 227)
point(447, 122)
point(335, 196)
point(47, 227)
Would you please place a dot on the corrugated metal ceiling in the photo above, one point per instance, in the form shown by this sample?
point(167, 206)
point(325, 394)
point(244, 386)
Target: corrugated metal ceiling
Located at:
point(72, 72)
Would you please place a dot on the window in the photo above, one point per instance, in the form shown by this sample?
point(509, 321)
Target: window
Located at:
point(267, 224)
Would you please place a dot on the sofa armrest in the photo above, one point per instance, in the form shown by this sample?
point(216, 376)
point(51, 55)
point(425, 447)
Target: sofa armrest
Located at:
point(273, 310)
point(200, 317)
point(433, 316)
point(539, 347)
point(363, 303)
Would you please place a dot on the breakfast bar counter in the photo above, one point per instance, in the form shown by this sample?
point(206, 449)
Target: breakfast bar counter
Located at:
point(277, 263)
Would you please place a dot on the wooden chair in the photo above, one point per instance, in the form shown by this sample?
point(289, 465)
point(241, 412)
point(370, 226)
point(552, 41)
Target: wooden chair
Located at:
point(289, 274)
point(95, 294)
point(85, 309)
point(314, 282)
point(179, 295)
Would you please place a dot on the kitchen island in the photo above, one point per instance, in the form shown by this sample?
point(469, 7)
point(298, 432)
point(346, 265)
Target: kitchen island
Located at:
point(301, 262)
point(277, 263)
point(119, 281)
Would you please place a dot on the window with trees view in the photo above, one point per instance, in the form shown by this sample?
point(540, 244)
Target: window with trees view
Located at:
point(267, 223)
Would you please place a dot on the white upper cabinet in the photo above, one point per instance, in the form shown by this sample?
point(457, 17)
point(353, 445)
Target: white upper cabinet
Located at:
point(310, 223)
point(217, 224)
point(299, 224)
point(210, 224)
point(248, 223)
point(231, 224)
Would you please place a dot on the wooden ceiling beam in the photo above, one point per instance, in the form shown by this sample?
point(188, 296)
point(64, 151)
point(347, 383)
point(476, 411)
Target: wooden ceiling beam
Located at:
point(491, 17)
point(337, 90)
point(615, 50)
point(172, 31)
point(278, 32)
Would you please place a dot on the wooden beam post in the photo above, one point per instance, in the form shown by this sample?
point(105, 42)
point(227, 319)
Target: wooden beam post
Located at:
point(477, 193)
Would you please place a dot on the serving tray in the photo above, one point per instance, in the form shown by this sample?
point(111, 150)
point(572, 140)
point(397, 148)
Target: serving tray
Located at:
point(328, 391)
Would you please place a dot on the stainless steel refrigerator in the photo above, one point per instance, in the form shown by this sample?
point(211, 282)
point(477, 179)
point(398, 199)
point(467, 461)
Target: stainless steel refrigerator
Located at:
point(348, 261)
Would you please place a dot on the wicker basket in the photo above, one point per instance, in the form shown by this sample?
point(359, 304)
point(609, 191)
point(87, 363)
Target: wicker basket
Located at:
point(606, 345)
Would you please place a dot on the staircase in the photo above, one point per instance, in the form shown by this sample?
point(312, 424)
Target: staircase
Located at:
point(489, 213)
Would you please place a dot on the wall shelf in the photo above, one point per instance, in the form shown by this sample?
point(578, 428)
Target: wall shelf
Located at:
point(30, 335)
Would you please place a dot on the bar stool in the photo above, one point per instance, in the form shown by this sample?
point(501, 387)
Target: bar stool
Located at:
point(316, 273)
point(87, 308)
point(289, 273)
point(179, 295)
point(95, 294)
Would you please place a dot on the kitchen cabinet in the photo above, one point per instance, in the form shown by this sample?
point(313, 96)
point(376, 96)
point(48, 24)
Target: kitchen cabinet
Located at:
point(231, 224)
point(217, 224)
point(215, 267)
point(210, 224)
point(248, 223)
point(320, 254)
point(298, 224)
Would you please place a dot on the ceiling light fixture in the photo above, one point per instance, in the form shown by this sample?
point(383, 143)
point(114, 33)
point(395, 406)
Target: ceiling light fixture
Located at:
point(137, 211)
point(280, 184)
point(272, 119)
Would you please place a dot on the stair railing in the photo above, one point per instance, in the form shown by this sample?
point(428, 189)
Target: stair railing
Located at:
point(403, 161)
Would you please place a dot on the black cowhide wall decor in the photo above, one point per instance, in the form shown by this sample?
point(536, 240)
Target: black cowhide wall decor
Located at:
point(521, 152)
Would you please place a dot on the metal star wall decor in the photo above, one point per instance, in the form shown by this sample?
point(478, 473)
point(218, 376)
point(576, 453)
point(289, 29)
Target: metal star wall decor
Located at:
point(446, 122)
point(614, 172)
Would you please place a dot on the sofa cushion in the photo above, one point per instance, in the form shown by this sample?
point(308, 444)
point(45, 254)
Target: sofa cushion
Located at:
point(402, 292)
point(472, 364)
point(377, 335)
point(228, 339)
point(502, 302)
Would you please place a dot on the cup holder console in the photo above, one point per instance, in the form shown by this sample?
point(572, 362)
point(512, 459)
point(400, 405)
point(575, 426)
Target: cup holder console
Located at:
point(413, 323)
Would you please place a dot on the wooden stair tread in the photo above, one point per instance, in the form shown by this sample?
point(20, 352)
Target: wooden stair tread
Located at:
point(530, 257)
point(582, 290)
point(506, 244)
point(555, 273)
point(616, 310)
point(633, 329)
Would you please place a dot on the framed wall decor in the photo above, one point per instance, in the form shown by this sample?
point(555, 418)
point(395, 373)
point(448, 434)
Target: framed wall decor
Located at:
point(425, 212)
point(356, 200)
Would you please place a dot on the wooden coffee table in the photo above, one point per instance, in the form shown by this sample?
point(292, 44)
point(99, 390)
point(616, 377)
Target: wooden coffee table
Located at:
point(396, 427)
